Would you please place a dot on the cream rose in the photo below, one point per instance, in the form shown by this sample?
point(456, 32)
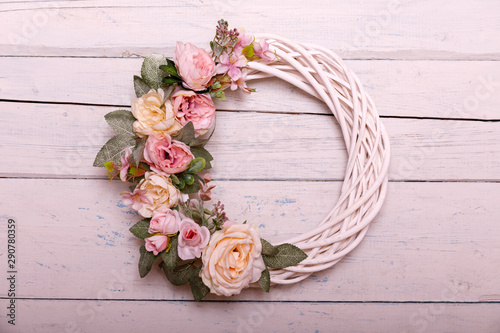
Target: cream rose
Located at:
point(232, 260)
point(161, 194)
point(154, 114)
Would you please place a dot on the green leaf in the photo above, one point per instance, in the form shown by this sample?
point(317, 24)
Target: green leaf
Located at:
point(178, 276)
point(170, 257)
point(138, 151)
point(140, 229)
point(288, 255)
point(193, 188)
point(203, 153)
point(170, 68)
point(171, 80)
point(151, 72)
point(113, 149)
point(265, 280)
point(188, 179)
point(140, 87)
point(186, 134)
point(198, 288)
point(121, 121)
point(146, 261)
point(268, 249)
point(196, 165)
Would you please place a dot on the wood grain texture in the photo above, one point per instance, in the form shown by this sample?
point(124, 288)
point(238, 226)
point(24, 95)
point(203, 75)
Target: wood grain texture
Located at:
point(249, 145)
point(77, 231)
point(85, 316)
point(441, 89)
point(405, 29)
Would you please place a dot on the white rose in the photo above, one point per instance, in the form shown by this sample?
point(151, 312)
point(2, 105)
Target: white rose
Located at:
point(232, 260)
point(154, 114)
point(162, 193)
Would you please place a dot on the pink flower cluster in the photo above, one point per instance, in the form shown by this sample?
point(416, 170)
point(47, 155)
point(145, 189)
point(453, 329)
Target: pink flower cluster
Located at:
point(192, 238)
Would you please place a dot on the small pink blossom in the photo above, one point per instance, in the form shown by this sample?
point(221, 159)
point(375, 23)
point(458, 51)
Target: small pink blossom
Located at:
point(125, 164)
point(166, 223)
point(192, 239)
point(231, 65)
point(136, 198)
point(156, 244)
point(261, 50)
point(194, 65)
point(192, 107)
point(167, 156)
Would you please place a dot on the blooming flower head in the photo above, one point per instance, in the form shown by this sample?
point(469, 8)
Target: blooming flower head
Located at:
point(194, 65)
point(192, 239)
point(156, 244)
point(165, 155)
point(161, 194)
point(196, 108)
point(165, 223)
point(136, 198)
point(231, 64)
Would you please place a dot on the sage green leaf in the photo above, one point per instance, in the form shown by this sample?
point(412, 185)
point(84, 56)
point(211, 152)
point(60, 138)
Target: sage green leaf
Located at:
point(138, 151)
point(151, 72)
point(288, 255)
point(198, 288)
point(203, 153)
point(170, 257)
point(196, 166)
point(186, 134)
point(140, 87)
point(199, 142)
point(146, 261)
point(178, 276)
point(265, 280)
point(121, 121)
point(267, 248)
point(113, 149)
point(140, 229)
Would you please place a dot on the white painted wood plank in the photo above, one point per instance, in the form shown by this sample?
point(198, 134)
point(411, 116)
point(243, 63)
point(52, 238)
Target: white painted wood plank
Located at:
point(389, 29)
point(441, 89)
point(43, 140)
point(431, 242)
point(132, 316)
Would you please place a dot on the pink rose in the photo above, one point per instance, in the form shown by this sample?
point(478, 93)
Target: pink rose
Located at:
point(192, 239)
point(194, 65)
point(167, 156)
point(197, 108)
point(166, 223)
point(156, 244)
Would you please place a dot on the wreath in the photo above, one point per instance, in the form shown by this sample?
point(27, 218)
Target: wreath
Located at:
point(160, 148)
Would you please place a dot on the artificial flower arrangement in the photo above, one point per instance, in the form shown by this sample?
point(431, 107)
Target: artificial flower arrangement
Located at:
point(159, 148)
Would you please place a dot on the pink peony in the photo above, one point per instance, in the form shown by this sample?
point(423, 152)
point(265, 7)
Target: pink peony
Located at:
point(166, 223)
point(192, 239)
point(136, 198)
point(197, 108)
point(167, 156)
point(194, 65)
point(156, 244)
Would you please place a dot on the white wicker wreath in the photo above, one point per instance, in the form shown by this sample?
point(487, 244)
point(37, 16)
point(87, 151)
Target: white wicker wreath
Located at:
point(321, 73)
point(159, 148)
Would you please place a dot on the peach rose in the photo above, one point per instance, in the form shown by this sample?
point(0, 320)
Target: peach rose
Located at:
point(192, 239)
point(197, 108)
point(161, 194)
point(154, 114)
point(165, 155)
point(166, 223)
point(194, 65)
point(232, 260)
point(156, 244)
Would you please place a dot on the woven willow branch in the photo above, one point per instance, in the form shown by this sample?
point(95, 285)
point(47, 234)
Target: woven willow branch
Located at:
point(321, 73)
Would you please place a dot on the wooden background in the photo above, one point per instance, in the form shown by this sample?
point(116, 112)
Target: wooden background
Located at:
point(430, 261)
